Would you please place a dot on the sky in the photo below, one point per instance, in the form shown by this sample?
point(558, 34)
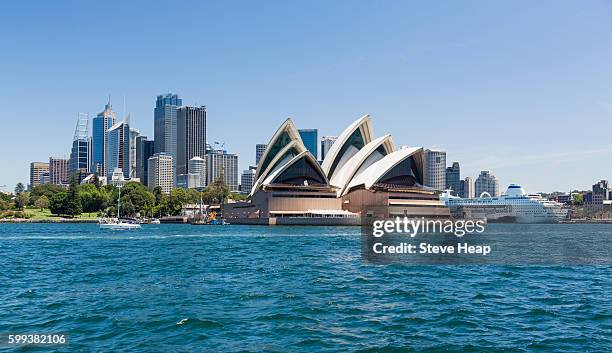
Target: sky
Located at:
point(522, 88)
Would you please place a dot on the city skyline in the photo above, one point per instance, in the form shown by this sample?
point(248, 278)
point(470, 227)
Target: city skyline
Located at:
point(540, 89)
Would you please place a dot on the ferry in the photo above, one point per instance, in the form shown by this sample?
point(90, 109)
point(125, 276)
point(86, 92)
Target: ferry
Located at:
point(515, 206)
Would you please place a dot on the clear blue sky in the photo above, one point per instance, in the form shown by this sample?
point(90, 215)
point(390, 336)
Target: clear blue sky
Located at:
point(523, 88)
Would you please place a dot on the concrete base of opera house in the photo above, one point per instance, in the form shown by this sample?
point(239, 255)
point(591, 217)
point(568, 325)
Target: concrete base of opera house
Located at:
point(297, 221)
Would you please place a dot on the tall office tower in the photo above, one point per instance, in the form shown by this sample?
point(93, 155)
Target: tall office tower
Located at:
point(487, 182)
point(326, 143)
point(247, 179)
point(58, 171)
point(100, 125)
point(260, 148)
point(601, 192)
point(161, 172)
point(79, 155)
point(144, 150)
point(468, 187)
point(165, 124)
point(118, 149)
point(310, 137)
point(435, 169)
point(453, 179)
point(197, 165)
point(37, 169)
point(222, 164)
point(134, 133)
point(190, 135)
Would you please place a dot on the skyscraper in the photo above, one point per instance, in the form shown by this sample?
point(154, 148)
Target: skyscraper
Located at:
point(435, 171)
point(190, 134)
point(165, 124)
point(100, 125)
point(118, 149)
point(134, 133)
point(260, 148)
point(197, 165)
point(222, 164)
point(326, 143)
point(58, 171)
point(161, 172)
point(144, 150)
point(468, 187)
point(310, 137)
point(79, 155)
point(487, 182)
point(453, 179)
point(37, 169)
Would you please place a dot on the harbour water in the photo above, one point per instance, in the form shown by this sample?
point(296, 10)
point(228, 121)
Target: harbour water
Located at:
point(169, 288)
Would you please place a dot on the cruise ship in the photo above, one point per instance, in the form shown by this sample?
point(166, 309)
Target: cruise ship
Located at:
point(515, 206)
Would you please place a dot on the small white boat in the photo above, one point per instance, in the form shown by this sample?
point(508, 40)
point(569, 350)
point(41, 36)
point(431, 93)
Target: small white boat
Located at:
point(155, 221)
point(118, 223)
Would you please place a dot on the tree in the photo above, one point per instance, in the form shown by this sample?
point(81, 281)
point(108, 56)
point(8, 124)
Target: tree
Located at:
point(44, 189)
point(22, 199)
point(96, 181)
point(158, 193)
point(42, 202)
point(93, 199)
point(57, 204)
point(578, 199)
point(73, 201)
point(19, 188)
point(138, 195)
point(217, 192)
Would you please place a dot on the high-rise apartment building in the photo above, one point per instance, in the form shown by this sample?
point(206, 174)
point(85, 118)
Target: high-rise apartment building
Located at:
point(220, 164)
point(118, 149)
point(435, 169)
point(326, 143)
point(80, 153)
point(37, 169)
point(144, 150)
point(161, 172)
point(487, 182)
point(310, 137)
point(190, 135)
point(134, 133)
point(197, 165)
point(260, 148)
point(100, 125)
point(58, 171)
point(165, 123)
point(468, 188)
point(453, 179)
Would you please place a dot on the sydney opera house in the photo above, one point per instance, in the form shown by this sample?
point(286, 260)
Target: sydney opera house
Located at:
point(361, 175)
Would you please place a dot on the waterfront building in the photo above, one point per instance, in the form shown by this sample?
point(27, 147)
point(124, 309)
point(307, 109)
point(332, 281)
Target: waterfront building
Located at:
point(220, 164)
point(118, 149)
point(487, 182)
point(197, 165)
point(259, 150)
point(246, 181)
point(601, 192)
point(80, 153)
point(165, 123)
point(37, 169)
point(58, 171)
point(310, 138)
point(453, 179)
point(161, 172)
point(100, 125)
point(191, 135)
point(326, 144)
point(144, 151)
point(134, 133)
point(188, 181)
point(435, 171)
point(468, 188)
point(359, 175)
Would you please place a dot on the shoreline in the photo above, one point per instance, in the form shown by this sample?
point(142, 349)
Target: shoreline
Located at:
point(59, 220)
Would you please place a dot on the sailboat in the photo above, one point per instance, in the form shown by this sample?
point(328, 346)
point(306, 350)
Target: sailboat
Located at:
point(118, 223)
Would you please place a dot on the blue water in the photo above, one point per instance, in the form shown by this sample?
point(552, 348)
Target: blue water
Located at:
point(171, 288)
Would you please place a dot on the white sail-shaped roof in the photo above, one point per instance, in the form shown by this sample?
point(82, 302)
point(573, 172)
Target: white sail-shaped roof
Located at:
point(286, 133)
point(310, 160)
point(368, 155)
point(379, 169)
point(352, 139)
point(290, 150)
